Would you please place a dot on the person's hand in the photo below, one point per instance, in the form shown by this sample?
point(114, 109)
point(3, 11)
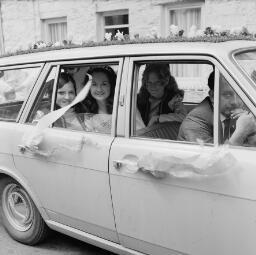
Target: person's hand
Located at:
point(246, 124)
point(153, 120)
point(175, 102)
point(235, 114)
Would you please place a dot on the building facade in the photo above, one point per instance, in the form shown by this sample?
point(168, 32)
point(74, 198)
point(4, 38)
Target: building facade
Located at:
point(24, 22)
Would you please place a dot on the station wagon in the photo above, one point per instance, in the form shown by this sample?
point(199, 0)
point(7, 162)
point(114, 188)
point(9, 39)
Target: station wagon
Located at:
point(134, 189)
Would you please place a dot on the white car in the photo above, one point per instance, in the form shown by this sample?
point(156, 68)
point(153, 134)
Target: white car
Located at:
point(130, 187)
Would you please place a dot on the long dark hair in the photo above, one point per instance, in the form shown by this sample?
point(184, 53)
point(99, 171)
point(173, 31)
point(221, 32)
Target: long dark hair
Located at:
point(162, 70)
point(64, 78)
point(89, 102)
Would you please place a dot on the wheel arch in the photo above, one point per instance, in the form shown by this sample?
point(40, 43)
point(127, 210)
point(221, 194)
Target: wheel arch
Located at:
point(6, 173)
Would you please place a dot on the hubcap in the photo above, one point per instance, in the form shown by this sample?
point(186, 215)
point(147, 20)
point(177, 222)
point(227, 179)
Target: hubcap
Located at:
point(17, 207)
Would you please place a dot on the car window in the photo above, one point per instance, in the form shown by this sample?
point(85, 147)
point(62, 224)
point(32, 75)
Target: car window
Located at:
point(165, 93)
point(92, 114)
point(15, 86)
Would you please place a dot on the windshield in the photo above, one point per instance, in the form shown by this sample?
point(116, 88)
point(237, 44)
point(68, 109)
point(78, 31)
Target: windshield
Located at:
point(247, 60)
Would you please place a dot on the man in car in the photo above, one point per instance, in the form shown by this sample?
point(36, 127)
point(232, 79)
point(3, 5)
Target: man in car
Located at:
point(236, 125)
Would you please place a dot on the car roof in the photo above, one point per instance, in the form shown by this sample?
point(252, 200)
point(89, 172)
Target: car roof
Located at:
point(221, 49)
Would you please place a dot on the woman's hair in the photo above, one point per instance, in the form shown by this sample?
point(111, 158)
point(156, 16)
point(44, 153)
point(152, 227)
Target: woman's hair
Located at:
point(90, 102)
point(64, 78)
point(162, 70)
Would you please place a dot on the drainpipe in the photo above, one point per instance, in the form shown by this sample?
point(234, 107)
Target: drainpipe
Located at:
point(1, 31)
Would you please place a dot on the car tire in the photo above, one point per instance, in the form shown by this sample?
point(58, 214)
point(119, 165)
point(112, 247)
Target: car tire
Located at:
point(21, 218)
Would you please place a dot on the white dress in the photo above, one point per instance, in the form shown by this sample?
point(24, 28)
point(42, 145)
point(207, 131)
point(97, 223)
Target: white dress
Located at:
point(100, 123)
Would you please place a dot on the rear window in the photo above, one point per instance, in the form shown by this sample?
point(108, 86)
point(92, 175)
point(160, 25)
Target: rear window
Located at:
point(15, 86)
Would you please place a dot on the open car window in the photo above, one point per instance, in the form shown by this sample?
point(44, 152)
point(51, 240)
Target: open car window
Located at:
point(165, 93)
point(63, 84)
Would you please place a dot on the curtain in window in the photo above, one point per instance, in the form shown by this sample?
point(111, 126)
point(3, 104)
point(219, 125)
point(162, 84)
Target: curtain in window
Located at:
point(58, 32)
point(185, 19)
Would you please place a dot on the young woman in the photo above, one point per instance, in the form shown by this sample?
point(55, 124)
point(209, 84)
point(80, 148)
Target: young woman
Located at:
point(99, 102)
point(159, 99)
point(66, 93)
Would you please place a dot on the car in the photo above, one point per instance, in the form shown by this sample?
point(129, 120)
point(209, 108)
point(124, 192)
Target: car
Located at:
point(133, 188)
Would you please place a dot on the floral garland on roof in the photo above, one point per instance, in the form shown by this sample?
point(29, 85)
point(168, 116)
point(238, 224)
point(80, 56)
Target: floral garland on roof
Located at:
point(212, 34)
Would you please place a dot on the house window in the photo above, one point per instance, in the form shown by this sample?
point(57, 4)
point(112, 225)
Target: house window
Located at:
point(185, 18)
point(55, 30)
point(111, 22)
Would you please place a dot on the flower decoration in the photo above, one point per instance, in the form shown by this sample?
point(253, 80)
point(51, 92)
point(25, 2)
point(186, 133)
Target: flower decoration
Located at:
point(153, 33)
point(56, 44)
point(212, 34)
point(174, 30)
point(119, 36)
point(108, 36)
point(192, 31)
point(39, 45)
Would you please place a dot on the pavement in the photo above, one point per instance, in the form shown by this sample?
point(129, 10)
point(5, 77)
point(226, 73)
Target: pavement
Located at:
point(55, 244)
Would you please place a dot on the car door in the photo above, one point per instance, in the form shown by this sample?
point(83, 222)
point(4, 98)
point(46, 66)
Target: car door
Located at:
point(72, 181)
point(16, 83)
point(205, 204)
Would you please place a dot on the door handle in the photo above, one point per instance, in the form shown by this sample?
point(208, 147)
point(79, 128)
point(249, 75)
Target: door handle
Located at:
point(117, 164)
point(22, 148)
point(128, 163)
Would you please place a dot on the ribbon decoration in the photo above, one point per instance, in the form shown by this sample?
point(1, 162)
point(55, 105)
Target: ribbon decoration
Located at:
point(32, 140)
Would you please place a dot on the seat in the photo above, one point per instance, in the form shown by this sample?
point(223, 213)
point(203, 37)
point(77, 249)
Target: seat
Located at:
point(165, 130)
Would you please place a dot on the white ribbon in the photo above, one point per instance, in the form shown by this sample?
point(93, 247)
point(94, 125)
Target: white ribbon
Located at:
point(32, 140)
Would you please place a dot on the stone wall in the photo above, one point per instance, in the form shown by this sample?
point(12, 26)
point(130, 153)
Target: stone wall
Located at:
point(22, 25)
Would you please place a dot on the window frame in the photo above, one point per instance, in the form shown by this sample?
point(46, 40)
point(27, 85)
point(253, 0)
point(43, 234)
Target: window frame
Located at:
point(101, 27)
point(165, 17)
point(48, 21)
point(101, 61)
point(24, 66)
point(219, 68)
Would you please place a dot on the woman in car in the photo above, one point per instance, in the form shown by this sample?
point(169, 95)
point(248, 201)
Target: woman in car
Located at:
point(66, 93)
point(159, 98)
point(99, 102)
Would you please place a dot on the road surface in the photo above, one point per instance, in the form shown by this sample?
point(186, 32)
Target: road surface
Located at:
point(55, 244)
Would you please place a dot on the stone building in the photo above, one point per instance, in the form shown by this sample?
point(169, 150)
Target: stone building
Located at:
point(23, 22)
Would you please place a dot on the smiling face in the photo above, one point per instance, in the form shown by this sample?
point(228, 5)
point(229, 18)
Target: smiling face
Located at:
point(65, 94)
point(100, 89)
point(155, 86)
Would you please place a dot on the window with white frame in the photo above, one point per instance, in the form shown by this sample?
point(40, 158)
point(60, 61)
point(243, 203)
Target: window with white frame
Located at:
point(54, 29)
point(185, 18)
point(112, 21)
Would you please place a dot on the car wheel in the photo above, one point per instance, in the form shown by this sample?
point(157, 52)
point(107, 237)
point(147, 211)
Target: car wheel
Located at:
point(21, 218)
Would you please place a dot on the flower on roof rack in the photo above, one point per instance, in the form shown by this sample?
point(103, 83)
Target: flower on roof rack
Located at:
point(153, 33)
point(108, 36)
point(39, 45)
point(119, 36)
point(212, 34)
point(192, 31)
point(174, 30)
point(56, 44)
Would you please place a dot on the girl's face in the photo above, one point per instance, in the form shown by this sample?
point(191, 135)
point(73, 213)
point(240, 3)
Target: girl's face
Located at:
point(155, 86)
point(100, 89)
point(65, 95)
